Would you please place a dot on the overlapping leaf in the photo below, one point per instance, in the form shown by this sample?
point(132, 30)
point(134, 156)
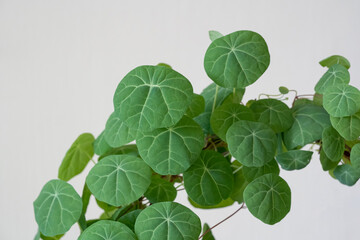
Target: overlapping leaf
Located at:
point(335, 59)
point(347, 174)
point(119, 179)
point(130, 149)
point(240, 182)
point(213, 35)
point(196, 107)
point(57, 208)
point(109, 230)
point(333, 144)
point(160, 190)
point(347, 127)
point(100, 145)
point(355, 156)
point(294, 159)
point(326, 163)
point(150, 97)
point(129, 219)
point(208, 234)
point(224, 203)
point(171, 150)
point(237, 60)
point(336, 75)
point(251, 173)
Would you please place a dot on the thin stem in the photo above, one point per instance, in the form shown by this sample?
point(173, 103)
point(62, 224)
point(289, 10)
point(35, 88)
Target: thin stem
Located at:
point(181, 189)
point(242, 206)
point(215, 98)
point(93, 161)
point(238, 169)
point(181, 184)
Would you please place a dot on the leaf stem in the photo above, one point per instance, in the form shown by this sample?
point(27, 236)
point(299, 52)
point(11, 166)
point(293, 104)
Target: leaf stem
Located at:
point(242, 206)
point(93, 161)
point(215, 98)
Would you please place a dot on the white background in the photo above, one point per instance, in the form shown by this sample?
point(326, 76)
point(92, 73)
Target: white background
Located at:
point(60, 62)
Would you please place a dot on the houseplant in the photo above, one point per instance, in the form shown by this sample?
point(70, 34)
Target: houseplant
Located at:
point(220, 150)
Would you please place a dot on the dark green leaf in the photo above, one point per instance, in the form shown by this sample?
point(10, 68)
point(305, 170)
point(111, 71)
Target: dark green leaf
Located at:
point(196, 107)
point(160, 190)
point(109, 230)
point(335, 59)
point(326, 163)
point(346, 174)
point(347, 127)
point(294, 159)
point(355, 156)
point(240, 182)
point(251, 173)
point(129, 219)
point(224, 203)
point(130, 149)
point(337, 74)
point(333, 144)
point(208, 235)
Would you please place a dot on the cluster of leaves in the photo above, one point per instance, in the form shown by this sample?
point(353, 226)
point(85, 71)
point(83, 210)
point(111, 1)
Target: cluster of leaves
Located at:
point(220, 150)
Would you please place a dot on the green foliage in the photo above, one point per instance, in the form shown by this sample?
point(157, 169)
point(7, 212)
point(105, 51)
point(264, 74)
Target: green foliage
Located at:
point(218, 149)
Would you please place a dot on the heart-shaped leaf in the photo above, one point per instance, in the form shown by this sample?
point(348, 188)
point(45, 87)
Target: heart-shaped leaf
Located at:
point(160, 190)
point(347, 127)
point(119, 179)
point(237, 60)
point(335, 59)
point(294, 159)
point(333, 144)
point(57, 208)
point(251, 173)
point(109, 230)
point(336, 75)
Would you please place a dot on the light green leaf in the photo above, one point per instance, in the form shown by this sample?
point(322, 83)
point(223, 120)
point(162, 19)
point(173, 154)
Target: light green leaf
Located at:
point(355, 156)
point(346, 174)
point(209, 180)
point(251, 173)
point(57, 208)
point(326, 163)
point(117, 132)
point(225, 115)
point(150, 97)
point(57, 237)
point(224, 203)
point(268, 198)
point(341, 100)
point(237, 60)
point(109, 230)
point(283, 90)
point(77, 157)
point(85, 199)
point(274, 113)
point(164, 65)
point(333, 144)
point(160, 190)
point(208, 235)
point(310, 121)
point(171, 150)
point(196, 107)
point(167, 220)
point(337, 74)
point(347, 127)
point(213, 35)
point(294, 159)
point(119, 179)
point(335, 59)
point(252, 143)
point(240, 182)
point(129, 219)
point(37, 236)
point(100, 145)
point(130, 149)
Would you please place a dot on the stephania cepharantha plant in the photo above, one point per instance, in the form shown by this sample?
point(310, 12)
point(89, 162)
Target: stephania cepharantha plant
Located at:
point(221, 150)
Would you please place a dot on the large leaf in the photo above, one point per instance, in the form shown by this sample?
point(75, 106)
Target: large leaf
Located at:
point(209, 180)
point(335, 59)
point(252, 143)
point(119, 179)
point(100, 144)
point(251, 173)
point(150, 97)
point(225, 115)
point(346, 174)
point(348, 127)
point(171, 150)
point(237, 60)
point(273, 112)
point(160, 190)
point(333, 144)
point(310, 121)
point(208, 234)
point(109, 230)
point(117, 133)
point(337, 74)
point(341, 100)
point(167, 220)
point(268, 198)
point(196, 107)
point(294, 159)
point(57, 208)
point(77, 157)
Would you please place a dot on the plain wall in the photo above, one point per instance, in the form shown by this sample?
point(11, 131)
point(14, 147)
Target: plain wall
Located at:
point(60, 62)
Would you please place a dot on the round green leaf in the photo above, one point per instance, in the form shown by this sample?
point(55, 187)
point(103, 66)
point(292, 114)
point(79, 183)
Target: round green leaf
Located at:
point(333, 144)
point(225, 115)
point(268, 198)
point(100, 145)
point(347, 127)
point(150, 97)
point(335, 59)
point(160, 190)
point(109, 230)
point(273, 112)
point(57, 208)
point(346, 174)
point(119, 179)
point(283, 90)
point(336, 75)
point(251, 173)
point(341, 100)
point(209, 180)
point(171, 150)
point(355, 156)
point(252, 143)
point(77, 157)
point(167, 220)
point(326, 163)
point(196, 107)
point(237, 60)
point(294, 159)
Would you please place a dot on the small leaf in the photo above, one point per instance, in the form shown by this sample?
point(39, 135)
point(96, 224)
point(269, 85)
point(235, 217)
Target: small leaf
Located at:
point(57, 208)
point(240, 182)
point(347, 127)
point(283, 90)
point(224, 203)
point(164, 65)
point(268, 198)
point(335, 59)
point(326, 163)
point(119, 179)
point(346, 174)
point(57, 237)
point(208, 235)
point(252, 143)
point(109, 230)
point(213, 35)
point(341, 100)
point(100, 145)
point(333, 144)
point(129, 219)
point(150, 97)
point(160, 190)
point(336, 75)
point(196, 107)
point(294, 159)
point(167, 220)
point(77, 157)
point(209, 180)
point(251, 173)
point(171, 150)
point(237, 60)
